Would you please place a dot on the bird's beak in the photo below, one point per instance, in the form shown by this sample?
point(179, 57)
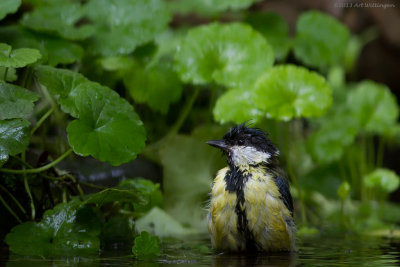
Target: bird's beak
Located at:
point(219, 144)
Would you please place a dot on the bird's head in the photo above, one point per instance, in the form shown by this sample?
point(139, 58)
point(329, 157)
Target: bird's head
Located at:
point(246, 146)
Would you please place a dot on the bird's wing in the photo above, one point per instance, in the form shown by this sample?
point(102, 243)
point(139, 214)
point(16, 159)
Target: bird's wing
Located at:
point(283, 188)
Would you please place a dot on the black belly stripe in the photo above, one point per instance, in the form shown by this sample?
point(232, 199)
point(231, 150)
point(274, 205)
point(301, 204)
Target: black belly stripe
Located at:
point(235, 181)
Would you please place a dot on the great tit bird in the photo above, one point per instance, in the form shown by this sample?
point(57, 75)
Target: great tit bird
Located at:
point(251, 208)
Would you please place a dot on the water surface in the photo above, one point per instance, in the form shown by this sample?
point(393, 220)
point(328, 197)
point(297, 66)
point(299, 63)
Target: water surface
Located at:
point(338, 250)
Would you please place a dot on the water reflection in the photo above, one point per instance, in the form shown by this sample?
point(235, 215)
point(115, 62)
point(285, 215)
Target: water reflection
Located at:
point(317, 251)
point(259, 259)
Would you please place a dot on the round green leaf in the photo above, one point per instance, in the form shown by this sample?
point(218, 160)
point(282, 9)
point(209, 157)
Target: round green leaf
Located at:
point(320, 40)
point(207, 7)
point(233, 55)
point(14, 138)
point(374, 106)
point(236, 106)
point(117, 63)
point(63, 85)
point(288, 91)
point(107, 129)
point(344, 190)
point(54, 50)
point(148, 189)
point(126, 25)
point(8, 7)
point(158, 86)
point(328, 143)
point(146, 246)
point(68, 229)
point(61, 17)
point(275, 29)
point(383, 179)
point(17, 58)
point(15, 101)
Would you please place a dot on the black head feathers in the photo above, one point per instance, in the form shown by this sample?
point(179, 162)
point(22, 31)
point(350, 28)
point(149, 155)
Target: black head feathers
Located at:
point(242, 135)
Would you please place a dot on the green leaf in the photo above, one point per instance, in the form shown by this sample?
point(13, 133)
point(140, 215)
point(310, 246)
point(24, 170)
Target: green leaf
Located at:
point(63, 85)
point(288, 91)
point(14, 138)
point(233, 55)
point(320, 40)
point(65, 230)
point(150, 191)
point(15, 101)
point(8, 7)
point(117, 63)
point(187, 182)
point(383, 179)
point(344, 190)
point(160, 223)
point(125, 26)
point(208, 7)
point(54, 50)
point(11, 74)
point(328, 143)
point(112, 194)
point(118, 229)
point(158, 86)
point(17, 58)
point(146, 246)
point(275, 29)
point(60, 17)
point(236, 106)
point(374, 106)
point(106, 128)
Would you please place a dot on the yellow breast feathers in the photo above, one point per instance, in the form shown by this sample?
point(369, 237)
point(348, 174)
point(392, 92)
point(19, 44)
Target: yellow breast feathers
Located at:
point(247, 212)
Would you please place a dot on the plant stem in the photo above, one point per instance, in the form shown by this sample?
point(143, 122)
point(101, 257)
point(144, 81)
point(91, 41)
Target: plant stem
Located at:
point(370, 153)
point(380, 152)
point(151, 151)
point(28, 190)
point(184, 113)
point(291, 172)
point(41, 169)
point(362, 166)
point(10, 210)
point(43, 118)
point(93, 186)
point(14, 199)
point(5, 74)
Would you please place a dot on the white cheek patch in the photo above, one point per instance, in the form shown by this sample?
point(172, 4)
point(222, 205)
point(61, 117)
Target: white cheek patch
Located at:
point(246, 155)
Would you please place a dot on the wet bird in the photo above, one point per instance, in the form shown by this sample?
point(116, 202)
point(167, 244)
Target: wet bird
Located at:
point(251, 208)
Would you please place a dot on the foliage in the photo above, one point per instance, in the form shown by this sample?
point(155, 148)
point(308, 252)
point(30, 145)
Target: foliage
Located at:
point(72, 228)
point(287, 92)
point(116, 83)
point(8, 6)
point(14, 138)
point(382, 179)
point(277, 32)
point(146, 246)
point(127, 25)
point(106, 127)
point(232, 55)
point(15, 101)
point(17, 58)
point(320, 40)
point(65, 229)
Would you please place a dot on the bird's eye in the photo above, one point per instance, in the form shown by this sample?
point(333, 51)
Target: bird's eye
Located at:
point(241, 142)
